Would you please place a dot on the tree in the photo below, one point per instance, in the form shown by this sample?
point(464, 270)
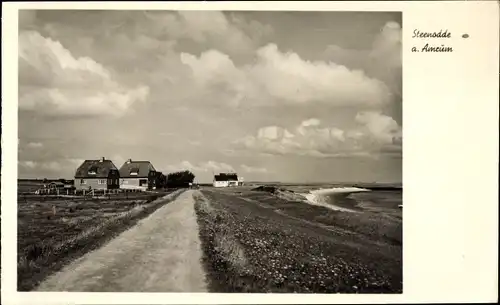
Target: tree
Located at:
point(180, 179)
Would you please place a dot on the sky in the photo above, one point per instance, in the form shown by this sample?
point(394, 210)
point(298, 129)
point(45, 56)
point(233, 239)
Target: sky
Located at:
point(273, 96)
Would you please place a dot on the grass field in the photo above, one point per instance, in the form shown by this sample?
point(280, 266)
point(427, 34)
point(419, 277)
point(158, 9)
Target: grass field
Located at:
point(52, 232)
point(30, 185)
point(256, 242)
point(252, 241)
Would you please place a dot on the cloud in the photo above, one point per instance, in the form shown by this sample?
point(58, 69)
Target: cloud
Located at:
point(51, 166)
point(64, 167)
point(54, 82)
point(388, 44)
point(383, 128)
point(285, 78)
point(310, 122)
point(27, 164)
point(376, 134)
point(202, 167)
point(211, 67)
point(250, 169)
point(230, 33)
point(26, 18)
point(93, 63)
point(34, 145)
point(382, 61)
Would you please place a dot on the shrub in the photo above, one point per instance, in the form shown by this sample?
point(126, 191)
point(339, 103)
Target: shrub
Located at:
point(180, 179)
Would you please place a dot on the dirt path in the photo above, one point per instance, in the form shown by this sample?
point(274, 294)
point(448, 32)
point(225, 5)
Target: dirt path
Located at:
point(162, 253)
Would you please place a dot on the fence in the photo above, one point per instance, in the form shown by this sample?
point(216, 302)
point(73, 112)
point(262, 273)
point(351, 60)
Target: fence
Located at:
point(83, 195)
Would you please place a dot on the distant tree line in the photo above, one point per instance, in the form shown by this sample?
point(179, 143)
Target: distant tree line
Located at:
point(180, 179)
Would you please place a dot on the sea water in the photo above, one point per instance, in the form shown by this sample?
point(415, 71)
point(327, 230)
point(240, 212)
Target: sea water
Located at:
point(331, 197)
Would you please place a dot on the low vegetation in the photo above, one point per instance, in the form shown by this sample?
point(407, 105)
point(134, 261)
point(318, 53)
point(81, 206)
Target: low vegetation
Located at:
point(379, 220)
point(272, 245)
point(53, 232)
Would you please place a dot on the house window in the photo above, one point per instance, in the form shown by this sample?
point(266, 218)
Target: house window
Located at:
point(92, 170)
point(101, 181)
point(83, 181)
point(134, 172)
point(143, 182)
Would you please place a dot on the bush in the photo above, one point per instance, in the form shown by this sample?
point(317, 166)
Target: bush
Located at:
point(180, 179)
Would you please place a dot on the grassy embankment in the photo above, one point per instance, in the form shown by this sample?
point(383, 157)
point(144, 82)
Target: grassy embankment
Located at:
point(273, 245)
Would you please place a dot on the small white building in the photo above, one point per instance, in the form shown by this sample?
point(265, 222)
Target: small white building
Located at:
point(227, 180)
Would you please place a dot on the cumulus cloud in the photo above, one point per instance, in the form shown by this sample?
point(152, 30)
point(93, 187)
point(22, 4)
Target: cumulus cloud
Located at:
point(382, 61)
point(211, 67)
point(54, 82)
point(230, 33)
point(375, 134)
point(383, 128)
point(388, 43)
point(279, 77)
point(92, 63)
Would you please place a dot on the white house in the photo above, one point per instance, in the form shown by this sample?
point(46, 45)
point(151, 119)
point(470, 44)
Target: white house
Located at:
point(226, 180)
point(137, 175)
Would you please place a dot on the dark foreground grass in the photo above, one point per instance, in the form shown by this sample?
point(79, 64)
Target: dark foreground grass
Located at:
point(42, 255)
point(252, 248)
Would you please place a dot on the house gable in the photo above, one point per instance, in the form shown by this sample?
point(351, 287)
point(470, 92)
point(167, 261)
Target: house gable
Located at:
point(136, 169)
point(96, 169)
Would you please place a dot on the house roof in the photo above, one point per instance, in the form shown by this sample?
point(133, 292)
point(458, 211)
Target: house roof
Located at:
point(142, 168)
point(226, 177)
point(100, 167)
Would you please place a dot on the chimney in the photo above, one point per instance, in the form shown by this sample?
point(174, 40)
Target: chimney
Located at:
point(102, 159)
point(129, 160)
